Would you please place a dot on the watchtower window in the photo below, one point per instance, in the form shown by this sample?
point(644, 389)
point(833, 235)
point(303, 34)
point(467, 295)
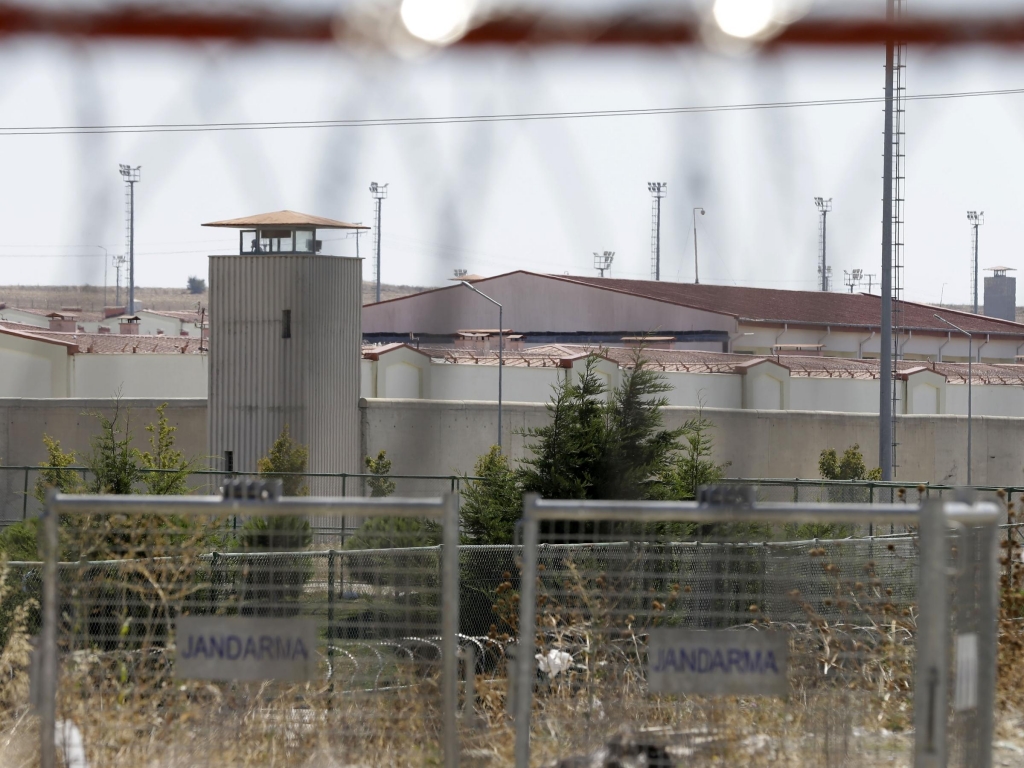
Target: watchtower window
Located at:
point(278, 241)
point(286, 323)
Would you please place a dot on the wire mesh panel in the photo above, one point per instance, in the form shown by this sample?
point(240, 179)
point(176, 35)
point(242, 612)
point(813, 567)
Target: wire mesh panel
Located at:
point(191, 634)
point(693, 638)
point(974, 615)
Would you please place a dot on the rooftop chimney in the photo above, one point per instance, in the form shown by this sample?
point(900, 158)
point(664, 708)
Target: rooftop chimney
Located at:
point(129, 325)
point(61, 322)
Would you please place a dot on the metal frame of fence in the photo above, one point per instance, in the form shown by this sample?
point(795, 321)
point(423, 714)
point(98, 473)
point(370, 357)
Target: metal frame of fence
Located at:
point(976, 535)
point(453, 482)
point(443, 510)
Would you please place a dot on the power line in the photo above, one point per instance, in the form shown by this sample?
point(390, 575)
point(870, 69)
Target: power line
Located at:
point(61, 130)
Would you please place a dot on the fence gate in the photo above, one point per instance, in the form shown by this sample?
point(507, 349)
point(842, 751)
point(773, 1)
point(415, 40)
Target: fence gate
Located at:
point(756, 634)
point(196, 631)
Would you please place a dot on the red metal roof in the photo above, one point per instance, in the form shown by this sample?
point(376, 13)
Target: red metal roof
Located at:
point(817, 308)
point(108, 343)
point(696, 361)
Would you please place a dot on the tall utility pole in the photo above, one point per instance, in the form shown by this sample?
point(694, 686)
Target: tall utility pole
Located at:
point(131, 177)
point(379, 193)
point(119, 261)
point(824, 206)
point(885, 370)
point(696, 272)
point(658, 190)
point(976, 218)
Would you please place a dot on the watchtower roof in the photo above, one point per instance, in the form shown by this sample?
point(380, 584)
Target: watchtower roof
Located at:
point(285, 220)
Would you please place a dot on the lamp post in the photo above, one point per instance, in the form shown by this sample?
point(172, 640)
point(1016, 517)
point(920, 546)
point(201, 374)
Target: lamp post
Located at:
point(501, 345)
point(696, 273)
point(970, 360)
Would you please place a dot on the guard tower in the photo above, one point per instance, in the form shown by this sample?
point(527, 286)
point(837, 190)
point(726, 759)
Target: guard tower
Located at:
point(1001, 293)
point(285, 335)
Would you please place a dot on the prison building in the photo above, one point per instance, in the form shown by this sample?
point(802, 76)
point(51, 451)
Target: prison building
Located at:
point(540, 309)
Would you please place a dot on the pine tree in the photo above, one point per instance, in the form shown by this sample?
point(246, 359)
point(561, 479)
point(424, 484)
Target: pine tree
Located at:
point(380, 485)
point(286, 460)
point(638, 452)
point(114, 463)
point(54, 472)
point(175, 468)
point(695, 466)
point(568, 453)
point(492, 505)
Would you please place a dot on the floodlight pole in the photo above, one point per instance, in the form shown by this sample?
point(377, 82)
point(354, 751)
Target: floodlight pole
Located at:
point(970, 379)
point(131, 176)
point(976, 219)
point(885, 414)
point(379, 192)
point(501, 345)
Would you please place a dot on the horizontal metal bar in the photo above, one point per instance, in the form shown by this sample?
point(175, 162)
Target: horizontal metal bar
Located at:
point(667, 511)
point(982, 513)
point(226, 473)
point(432, 507)
point(523, 28)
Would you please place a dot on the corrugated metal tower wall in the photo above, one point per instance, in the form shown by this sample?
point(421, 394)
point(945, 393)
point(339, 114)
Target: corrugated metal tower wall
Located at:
point(285, 334)
point(1001, 297)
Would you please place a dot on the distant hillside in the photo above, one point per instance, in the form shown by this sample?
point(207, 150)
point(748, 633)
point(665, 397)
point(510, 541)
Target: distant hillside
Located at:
point(91, 298)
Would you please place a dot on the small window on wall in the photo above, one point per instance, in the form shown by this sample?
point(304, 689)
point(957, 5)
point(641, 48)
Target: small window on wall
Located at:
point(286, 323)
point(229, 461)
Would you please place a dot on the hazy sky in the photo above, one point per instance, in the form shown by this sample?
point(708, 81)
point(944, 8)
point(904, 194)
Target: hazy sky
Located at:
point(494, 197)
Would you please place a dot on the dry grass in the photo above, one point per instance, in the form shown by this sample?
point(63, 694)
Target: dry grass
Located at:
point(850, 701)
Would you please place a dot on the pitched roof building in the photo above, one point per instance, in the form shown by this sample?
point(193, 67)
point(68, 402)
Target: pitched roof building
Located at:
point(564, 309)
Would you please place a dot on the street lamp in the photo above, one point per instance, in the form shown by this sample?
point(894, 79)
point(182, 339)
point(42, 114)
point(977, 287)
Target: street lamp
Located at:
point(970, 359)
point(696, 273)
point(501, 345)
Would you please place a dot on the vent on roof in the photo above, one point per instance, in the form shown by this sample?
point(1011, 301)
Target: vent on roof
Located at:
point(103, 329)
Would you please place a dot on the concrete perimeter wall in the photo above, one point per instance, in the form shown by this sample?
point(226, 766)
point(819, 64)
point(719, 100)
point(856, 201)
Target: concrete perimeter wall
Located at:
point(23, 422)
point(442, 437)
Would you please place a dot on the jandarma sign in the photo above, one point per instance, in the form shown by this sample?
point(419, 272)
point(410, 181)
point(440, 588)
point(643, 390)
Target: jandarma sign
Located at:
point(717, 662)
point(246, 649)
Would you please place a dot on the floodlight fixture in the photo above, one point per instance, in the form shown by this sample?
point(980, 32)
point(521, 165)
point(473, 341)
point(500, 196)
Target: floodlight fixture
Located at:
point(603, 261)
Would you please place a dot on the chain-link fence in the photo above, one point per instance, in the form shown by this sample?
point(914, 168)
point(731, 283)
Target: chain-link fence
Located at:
point(18, 499)
point(851, 610)
point(811, 491)
point(664, 635)
point(175, 635)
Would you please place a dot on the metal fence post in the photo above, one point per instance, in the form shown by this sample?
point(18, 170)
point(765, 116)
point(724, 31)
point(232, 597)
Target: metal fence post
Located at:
point(450, 629)
point(931, 683)
point(330, 614)
point(48, 646)
point(24, 498)
point(527, 627)
point(988, 616)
